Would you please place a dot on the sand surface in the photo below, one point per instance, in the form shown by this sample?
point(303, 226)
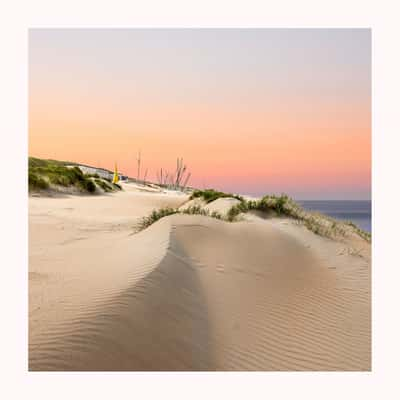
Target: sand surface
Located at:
point(190, 292)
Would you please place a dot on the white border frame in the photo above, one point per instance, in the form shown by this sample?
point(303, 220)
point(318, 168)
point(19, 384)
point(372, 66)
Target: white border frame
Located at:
point(18, 16)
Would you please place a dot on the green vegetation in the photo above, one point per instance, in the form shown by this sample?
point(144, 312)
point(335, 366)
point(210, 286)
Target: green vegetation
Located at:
point(38, 162)
point(155, 216)
point(36, 182)
point(197, 210)
point(363, 234)
point(280, 205)
point(96, 175)
point(56, 173)
point(107, 187)
point(163, 212)
point(284, 206)
point(87, 185)
point(210, 195)
point(45, 174)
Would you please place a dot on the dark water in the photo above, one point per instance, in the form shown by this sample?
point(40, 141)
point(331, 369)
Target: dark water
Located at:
point(358, 212)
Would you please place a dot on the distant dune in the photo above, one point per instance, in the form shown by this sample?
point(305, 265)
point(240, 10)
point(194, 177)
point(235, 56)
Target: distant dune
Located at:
point(190, 292)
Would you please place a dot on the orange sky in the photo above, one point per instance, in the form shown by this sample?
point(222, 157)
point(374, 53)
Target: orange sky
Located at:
point(250, 111)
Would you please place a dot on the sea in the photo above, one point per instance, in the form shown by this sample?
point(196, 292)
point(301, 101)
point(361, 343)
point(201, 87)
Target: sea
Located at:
point(356, 211)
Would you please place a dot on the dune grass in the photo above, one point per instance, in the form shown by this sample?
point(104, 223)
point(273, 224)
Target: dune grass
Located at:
point(285, 206)
point(45, 174)
point(280, 205)
point(209, 195)
point(362, 233)
point(198, 210)
point(155, 215)
point(54, 173)
point(104, 184)
point(36, 182)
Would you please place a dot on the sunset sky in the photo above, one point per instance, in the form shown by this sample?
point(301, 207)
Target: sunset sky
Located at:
point(250, 111)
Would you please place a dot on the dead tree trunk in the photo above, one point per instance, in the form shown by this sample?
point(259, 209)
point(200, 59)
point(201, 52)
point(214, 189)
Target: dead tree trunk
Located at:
point(186, 181)
point(138, 167)
point(144, 179)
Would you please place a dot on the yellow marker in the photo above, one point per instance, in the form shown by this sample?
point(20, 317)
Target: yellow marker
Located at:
point(115, 178)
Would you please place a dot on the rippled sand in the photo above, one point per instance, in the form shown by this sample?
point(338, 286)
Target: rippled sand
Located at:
point(190, 292)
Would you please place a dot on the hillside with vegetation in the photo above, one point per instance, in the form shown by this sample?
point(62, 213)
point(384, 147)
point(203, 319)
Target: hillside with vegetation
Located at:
point(64, 176)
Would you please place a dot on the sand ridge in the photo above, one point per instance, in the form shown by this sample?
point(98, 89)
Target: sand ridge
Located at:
point(190, 292)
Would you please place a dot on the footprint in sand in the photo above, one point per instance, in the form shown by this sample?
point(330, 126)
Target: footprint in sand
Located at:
point(196, 262)
point(220, 268)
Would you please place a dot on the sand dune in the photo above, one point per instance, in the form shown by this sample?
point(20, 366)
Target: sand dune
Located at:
point(190, 292)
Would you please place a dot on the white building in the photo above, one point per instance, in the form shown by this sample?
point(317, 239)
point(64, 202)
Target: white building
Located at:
point(103, 173)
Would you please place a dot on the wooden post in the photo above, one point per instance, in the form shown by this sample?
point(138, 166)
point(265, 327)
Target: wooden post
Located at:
point(138, 167)
point(186, 181)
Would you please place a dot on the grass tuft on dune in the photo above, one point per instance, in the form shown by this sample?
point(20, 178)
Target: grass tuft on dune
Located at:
point(362, 233)
point(209, 195)
point(281, 205)
point(155, 215)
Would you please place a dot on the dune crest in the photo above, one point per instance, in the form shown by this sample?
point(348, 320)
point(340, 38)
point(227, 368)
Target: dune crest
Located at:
point(194, 293)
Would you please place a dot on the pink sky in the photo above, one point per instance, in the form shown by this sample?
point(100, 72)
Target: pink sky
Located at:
point(250, 111)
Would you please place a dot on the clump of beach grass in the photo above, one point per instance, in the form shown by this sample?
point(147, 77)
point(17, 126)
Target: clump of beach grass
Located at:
point(103, 184)
point(198, 210)
point(106, 185)
point(176, 180)
point(281, 205)
point(155, 215)
point(86, 185)
point(36, 182)
point(209, 195)
point(95, 175)
point(362, 233)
